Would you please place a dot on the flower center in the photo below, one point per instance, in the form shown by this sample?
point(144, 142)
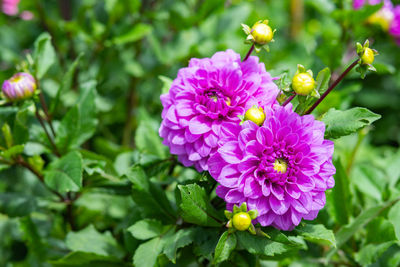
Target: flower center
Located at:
point(280, 165)
point(16, 79)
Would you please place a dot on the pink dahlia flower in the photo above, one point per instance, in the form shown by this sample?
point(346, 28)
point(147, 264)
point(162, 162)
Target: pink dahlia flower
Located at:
point(281, 169)
point(206, 94)
point(357, 4)
point(394, 29)
point(10, 7)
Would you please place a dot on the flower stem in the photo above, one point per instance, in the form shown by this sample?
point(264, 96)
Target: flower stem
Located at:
point(46, 112)
point(249, 53)
point(333, 85)
point(20, 161)
point(290, 98)
point(40, 119)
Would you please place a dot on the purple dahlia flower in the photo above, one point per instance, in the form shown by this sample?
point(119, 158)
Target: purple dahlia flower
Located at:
point(206, 94)
point(281, 169)
point(394, 29)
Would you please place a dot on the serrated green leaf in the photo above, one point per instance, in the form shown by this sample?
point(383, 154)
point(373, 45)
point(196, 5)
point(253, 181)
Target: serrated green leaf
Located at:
point(146, 254)
point(66, 83)
point(317, 233)
point(44, 55)
point(225, 246)
point(146, 229)
point(79, 124)
point(261, 245)
point(180, 239)
point(65, 174)
point(394, 218)
point(340, 123)
point(150, 199)
point(371, 252)
point(196, 207)
point(89, 240)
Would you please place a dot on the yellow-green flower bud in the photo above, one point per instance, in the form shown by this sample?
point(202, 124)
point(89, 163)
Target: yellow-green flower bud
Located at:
point(255, 115)
point(262, 33)
point(368, 56)
point(303, 83)
point(241, 221)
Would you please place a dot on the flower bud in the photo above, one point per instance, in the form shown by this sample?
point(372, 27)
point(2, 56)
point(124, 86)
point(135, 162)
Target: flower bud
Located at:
point(368, 56)
point(241, 221)
point(20, 86)
point(255, 115)
point(262, 33)
point(303, 83)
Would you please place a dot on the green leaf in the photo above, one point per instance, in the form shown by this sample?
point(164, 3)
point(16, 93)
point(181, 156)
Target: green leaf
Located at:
point(340, 123)
point(147, 139)
point(7, 135)
point(65, 174)
point(317, 233)
point(263, 246)
point(89, 240)
point(146, 229)
point(17, 204)
point(32, 237)
point(371, 252)
point(139, 31)
point(226, 244)
point(66, 83)
point(347, 231)
point(12, 151)
point(180, 239)
point(196, 208)
point(339, 199)
point(150, 199)
point(44, 55)
point(80, 122)
point(322, 80)
point(146, 254)
point(394, 218)
point(370, 180)
point(166, 84)
point(78, 258)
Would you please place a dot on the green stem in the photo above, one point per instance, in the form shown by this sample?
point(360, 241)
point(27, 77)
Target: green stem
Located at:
point(55, 150)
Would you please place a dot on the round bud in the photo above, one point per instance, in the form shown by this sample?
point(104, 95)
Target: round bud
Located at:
point(368, 56)
point(241, 221)
point(255, 115)
point(303, 83)
point(262, 33)
point(20, 86)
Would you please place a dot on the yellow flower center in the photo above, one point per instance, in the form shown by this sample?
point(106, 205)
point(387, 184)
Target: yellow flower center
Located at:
point(280, 165)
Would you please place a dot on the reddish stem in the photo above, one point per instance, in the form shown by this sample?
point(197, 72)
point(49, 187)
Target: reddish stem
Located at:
point(248, 53)
point(333, 85)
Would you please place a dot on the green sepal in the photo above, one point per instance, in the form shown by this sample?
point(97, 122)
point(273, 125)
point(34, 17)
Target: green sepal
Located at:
point(243, 207)
point(252, 229)
point(236, 209)
point(262, 233)
point(246, 29)
point(229, 224)
point(228, 214)
point(253, 214)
